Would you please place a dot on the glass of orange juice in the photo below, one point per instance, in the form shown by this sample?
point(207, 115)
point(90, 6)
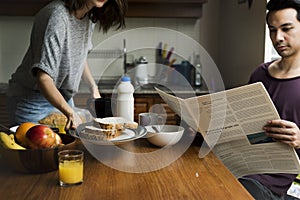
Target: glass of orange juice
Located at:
point(70, 167)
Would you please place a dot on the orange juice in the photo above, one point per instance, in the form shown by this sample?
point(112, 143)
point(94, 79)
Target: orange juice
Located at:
point(71, 172)
point(70, 167)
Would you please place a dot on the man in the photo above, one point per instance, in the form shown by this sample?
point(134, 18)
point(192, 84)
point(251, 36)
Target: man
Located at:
point(282, 81)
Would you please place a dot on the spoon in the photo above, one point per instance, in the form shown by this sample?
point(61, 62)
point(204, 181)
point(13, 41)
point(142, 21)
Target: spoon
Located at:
point(6, 128)
point(155, 129)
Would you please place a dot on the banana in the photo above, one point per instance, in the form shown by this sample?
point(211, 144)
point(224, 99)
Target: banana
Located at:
point(8, 141)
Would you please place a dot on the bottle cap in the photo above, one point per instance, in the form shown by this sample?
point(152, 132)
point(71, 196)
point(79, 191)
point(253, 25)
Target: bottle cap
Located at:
point(125, 79)
point(185, 62)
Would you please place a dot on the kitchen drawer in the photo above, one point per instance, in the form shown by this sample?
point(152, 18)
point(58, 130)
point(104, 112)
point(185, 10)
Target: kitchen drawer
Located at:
point(170, 116)
point(154, 103)
point(139, 108)
point(80, 100)
point(141, 105)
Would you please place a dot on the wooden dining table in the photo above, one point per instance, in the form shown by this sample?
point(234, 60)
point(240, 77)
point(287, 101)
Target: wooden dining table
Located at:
point(188, 177)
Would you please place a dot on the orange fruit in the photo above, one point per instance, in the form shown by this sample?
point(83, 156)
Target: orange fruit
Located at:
point(21, 133)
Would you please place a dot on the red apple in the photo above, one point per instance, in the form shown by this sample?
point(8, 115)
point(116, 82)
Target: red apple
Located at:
point(58, 139)
point(41, 136)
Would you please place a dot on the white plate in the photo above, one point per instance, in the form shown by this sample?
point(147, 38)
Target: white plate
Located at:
point(126, 135)
point(14, 128)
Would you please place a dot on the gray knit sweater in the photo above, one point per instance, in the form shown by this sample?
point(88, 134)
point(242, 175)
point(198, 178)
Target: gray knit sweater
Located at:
point(59, 45)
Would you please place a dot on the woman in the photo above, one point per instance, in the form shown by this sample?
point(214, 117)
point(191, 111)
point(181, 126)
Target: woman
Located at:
point(55, 62)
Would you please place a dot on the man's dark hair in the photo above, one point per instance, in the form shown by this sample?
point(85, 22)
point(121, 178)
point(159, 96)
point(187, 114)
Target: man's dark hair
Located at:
point(274, 5)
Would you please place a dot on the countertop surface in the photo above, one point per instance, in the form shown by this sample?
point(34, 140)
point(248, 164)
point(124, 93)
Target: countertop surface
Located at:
point(149, 89)
point(3, 87)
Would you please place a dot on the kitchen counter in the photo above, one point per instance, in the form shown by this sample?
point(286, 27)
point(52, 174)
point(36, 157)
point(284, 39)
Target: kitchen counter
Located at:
point(3, 88)
point(151, 90)
point(110, 88)
point(189, 177)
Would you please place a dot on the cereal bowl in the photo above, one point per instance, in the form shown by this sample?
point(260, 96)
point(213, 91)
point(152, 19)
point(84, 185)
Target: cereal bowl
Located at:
point(164, 135)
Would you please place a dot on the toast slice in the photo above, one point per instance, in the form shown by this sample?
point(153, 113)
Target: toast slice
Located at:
point(118, 123)
point(101, 134)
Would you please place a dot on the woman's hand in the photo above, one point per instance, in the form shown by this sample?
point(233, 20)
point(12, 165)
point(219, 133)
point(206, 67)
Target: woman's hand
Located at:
point(283, 131)
point(51, 93)
point(88, 78)
point(95, 92)
point(73, 121)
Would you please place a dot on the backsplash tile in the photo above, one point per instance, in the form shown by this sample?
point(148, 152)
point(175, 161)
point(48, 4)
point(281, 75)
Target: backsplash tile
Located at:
point(142, 42)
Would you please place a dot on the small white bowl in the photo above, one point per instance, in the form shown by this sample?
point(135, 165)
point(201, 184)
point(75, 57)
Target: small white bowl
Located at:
point(164, 135)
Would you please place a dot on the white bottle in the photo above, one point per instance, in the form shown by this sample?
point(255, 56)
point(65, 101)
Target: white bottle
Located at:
point(125, 99)
point(198, 71)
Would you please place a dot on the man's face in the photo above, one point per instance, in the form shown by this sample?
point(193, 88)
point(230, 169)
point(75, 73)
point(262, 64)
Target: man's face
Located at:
point(285, 31)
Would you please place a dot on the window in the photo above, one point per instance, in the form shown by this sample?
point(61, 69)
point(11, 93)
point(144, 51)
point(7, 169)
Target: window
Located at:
point(270, 52)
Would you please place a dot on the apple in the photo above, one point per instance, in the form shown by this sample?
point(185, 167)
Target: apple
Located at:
point(58, 140)
point(42, 136)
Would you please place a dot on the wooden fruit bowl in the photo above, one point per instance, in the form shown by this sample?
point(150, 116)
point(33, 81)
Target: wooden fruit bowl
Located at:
point(36, 160)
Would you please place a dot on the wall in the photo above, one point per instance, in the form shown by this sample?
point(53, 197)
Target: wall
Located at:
point(15, 36)
point(210, 28)
point(14, 39)
point(241, 40)
point(229, 33)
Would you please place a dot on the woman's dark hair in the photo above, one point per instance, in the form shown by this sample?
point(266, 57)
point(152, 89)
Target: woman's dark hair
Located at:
point(111, 14)
point(274, 5)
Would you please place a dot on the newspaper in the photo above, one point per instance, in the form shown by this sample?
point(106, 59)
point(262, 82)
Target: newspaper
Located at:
point(231, 124)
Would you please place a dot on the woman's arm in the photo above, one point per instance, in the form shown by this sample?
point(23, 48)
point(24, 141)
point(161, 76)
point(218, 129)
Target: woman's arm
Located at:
point(51, 93)
point(88, 78)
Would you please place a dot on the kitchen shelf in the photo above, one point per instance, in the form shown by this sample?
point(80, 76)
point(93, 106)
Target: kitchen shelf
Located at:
point(137, 8)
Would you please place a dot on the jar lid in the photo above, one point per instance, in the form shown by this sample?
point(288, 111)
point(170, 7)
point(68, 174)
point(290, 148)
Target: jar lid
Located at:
point(142, 60)
point(125, 79)
point(185, 62)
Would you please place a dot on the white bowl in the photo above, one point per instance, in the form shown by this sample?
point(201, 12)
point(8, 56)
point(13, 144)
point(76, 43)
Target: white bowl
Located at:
point(167, 135)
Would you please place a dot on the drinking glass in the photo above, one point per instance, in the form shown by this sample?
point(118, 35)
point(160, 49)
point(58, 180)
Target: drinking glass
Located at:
point(70, 167)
